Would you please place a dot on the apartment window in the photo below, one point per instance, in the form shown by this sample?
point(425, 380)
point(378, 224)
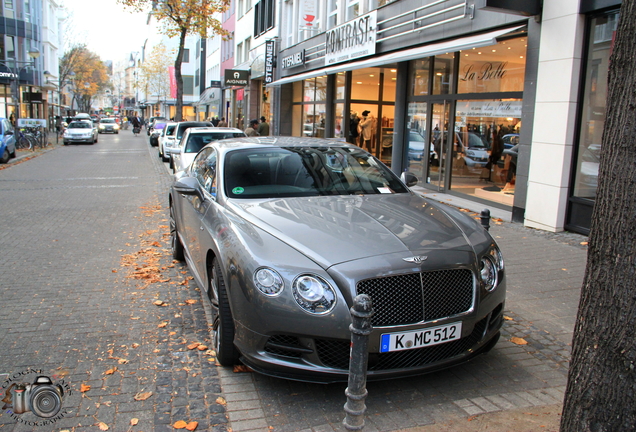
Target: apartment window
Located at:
point(332, 13)
point(9, 9)
point(239, 53)
point(241, 5)
point(198, 48)
point(263, 17)
point(353, 9)
point(10, 45)
point(188, 85)
point(27, 11)
point(248, 48)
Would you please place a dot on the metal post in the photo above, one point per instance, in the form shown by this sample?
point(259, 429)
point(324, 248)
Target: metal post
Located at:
point(356, 392)
point(485, 219)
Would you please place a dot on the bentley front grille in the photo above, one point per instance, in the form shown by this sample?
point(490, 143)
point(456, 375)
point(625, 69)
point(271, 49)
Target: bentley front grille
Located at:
point(417, 297)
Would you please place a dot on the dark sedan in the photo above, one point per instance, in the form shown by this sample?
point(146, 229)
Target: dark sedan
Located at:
point(282, 233)
point(156, 133)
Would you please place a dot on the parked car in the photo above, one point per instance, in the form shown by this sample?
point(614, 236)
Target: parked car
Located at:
point(7, 140)
point(180, 130)
point(195, 139)
point(282, 233)
point(166, 138)
point(80, 131)
point(151, 123)
point(108, 125)
point(417, 144)
point(510, 140)
point(156, 131)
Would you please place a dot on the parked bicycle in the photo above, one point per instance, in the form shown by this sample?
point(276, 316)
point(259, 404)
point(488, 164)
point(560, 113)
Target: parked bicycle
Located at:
point(24, 140)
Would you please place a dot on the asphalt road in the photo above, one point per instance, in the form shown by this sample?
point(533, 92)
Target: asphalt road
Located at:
point(89, 295)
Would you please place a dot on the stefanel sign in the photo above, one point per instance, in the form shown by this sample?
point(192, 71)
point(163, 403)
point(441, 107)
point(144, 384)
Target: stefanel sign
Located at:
point(270, 61)
point(234, 77)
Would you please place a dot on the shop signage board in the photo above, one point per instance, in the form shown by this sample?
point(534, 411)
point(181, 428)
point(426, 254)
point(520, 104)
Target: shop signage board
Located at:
point(307, 13)
point(293, 60)
point(351, 40)
point(235, 77)
point(27, 122)
point(270, 61)
point(489, 109)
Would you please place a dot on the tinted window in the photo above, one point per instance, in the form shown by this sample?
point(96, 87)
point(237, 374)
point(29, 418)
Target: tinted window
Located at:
point(80, 125)
point(306, 171)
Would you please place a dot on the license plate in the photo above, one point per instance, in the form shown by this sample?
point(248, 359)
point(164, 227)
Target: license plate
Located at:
point(420, 338)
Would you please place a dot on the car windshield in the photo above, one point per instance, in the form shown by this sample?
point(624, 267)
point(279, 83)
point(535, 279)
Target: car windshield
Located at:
point(170, 129)
point(476, 142)
point(306, 171)
point(80, 125)
point(107, 121)
point(197, 141)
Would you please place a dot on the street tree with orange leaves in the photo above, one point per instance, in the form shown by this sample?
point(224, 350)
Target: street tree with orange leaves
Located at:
point(181, 18)
point(87, 74)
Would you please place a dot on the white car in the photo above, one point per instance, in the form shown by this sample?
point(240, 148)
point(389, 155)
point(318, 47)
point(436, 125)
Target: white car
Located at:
point(195, 138)
point(80, 131)
point(167, 139)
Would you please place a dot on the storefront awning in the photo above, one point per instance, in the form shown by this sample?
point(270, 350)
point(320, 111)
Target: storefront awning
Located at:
point(459, 44)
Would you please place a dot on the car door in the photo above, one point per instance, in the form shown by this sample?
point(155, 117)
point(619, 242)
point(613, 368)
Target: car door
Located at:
point(194, 211)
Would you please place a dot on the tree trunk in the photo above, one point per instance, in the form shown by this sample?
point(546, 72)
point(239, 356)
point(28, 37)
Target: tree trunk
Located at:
point(178, 115)
point(601, 390)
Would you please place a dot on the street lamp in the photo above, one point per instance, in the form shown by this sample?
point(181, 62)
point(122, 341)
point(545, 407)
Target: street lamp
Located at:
point(14, 75)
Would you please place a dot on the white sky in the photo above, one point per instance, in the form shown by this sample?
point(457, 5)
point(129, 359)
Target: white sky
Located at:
point(106, 28)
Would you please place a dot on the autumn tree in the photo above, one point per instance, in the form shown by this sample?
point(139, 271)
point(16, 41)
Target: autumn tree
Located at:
point(601, 390)
point(154, 77)
point(180, 18)
point(87, 74)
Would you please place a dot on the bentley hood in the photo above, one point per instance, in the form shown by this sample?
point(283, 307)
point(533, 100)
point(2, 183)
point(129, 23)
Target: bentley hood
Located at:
point(334, 229)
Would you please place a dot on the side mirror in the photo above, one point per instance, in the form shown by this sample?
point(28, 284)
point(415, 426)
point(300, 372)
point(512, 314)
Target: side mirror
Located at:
point(409, 178)
point(187, 186)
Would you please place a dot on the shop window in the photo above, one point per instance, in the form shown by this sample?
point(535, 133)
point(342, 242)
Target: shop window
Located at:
point(339, 118)
point(365, 84)
point(594, 105)
point(495, 68)
point(419, 77)
point(390, 80)
point(443, 74)
point(340, 85)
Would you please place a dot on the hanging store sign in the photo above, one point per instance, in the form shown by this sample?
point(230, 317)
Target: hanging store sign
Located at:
point(307, 14)
point(296, 59)
point(270, 62)
point(351, 40)
point(235, 77)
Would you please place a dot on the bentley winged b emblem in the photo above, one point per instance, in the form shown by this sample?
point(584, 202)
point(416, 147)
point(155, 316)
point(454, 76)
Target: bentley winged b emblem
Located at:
point(416, 259)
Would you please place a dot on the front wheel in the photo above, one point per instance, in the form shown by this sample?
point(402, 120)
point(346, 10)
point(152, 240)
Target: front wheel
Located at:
point(5, 156)
point(175, 242)
point(223, 326)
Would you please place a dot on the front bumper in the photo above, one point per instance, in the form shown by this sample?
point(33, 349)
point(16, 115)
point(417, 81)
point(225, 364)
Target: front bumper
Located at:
point(89, 139)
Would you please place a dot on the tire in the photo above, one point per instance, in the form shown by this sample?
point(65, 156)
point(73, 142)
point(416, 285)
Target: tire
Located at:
point(223, 326)
point(5, 156)
point(117, 133)
point(175, 243)
point(65, 143)
point(23, 143)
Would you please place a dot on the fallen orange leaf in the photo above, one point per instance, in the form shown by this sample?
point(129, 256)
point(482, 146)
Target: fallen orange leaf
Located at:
point(202, 347)
point(163, 324)
point(179, 424)
point(192, 426)
point(518, 341)
point(84, 388)
point(507, 318)
point(134, 421)
point(142, 396)
point(111, 371)
point(221, 401)
point(193, 345)
point(241, 369)
point(103, 426)
point(190, 301)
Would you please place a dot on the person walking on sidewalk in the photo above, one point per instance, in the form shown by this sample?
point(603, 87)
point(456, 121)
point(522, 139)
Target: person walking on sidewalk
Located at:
point(251, 130)
point(263, 127)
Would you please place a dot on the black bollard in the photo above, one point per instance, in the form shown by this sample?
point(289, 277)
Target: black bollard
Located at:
point(485, 219)
point(356, 392)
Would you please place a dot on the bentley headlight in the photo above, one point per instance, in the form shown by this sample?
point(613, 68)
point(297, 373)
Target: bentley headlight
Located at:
point(491, 270)
point(313, 294)
point(268, 281)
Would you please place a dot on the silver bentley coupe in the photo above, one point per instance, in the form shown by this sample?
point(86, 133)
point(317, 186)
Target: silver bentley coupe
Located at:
point(282, 233)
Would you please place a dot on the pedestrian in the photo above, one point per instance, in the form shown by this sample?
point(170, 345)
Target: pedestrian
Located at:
point(263, 127)
point(215, 121)
point(136, 124)
point(222, 123)
point(251, 130)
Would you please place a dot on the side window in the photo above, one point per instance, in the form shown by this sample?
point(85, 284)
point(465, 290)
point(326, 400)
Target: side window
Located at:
point(210, 174)
point(199, 166)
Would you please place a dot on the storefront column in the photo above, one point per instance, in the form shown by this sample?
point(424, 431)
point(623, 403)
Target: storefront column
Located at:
point(398, 155)
point(330, 122)
point(555, 116)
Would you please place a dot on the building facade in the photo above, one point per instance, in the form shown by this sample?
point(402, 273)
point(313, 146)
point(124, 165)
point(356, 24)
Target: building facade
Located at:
point(474, 97)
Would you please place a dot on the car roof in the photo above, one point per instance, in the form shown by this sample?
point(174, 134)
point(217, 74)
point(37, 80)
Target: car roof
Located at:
point(192, 130)
point(231, 144)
